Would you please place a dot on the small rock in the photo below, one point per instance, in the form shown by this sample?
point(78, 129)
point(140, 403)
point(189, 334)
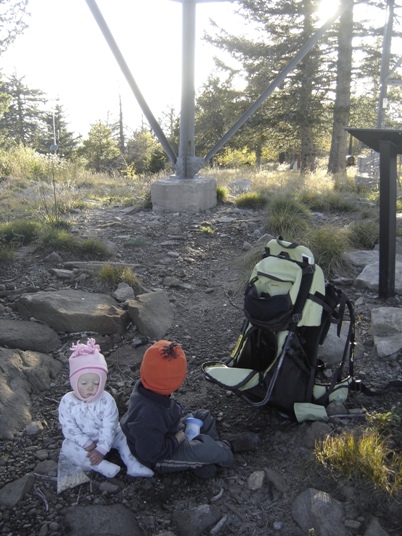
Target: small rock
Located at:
point(375, 529)
point(279, 481)
point(53, 258)
point(256, 480)
point(352, 524)
point(336, 408)
point(34, 428)
point(13, 492)
point(41, 455)
point(108, 487)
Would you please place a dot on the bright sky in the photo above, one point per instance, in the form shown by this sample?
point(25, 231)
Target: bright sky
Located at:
point(64, 54)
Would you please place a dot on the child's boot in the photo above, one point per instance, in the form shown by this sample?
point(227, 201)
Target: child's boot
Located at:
point(135, 468)
point(242, 442)
point(106, 468)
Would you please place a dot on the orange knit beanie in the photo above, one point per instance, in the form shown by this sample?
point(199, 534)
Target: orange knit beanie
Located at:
point(163, 368)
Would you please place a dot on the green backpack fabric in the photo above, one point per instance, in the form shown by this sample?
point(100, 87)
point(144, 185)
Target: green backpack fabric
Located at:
point(289, 308)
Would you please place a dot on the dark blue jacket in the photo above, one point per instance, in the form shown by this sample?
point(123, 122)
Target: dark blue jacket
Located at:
point(150, 425)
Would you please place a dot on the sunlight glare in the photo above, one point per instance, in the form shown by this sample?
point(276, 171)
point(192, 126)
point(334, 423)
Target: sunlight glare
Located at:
point(326, 9)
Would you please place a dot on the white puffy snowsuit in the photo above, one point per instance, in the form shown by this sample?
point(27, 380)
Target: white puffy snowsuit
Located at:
point(96, 422)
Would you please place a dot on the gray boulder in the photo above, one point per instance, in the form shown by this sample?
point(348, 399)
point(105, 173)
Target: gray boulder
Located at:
point(152, 313)
point(22, 373)
point(196, 521)
point(369, 277)
point(74, 311)
point(386, 324)
point(27, 335)
point(102, 520)
point(13, 492)
point(315, 509)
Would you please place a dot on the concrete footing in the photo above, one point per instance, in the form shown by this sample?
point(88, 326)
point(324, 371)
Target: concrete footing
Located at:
point(171, 194)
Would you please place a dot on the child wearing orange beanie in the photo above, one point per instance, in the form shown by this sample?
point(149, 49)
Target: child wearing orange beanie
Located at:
point(154, 421)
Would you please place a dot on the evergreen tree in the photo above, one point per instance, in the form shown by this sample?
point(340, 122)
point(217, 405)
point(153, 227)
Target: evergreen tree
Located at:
point(24, 120)
point(56, 133)
point(216, 107)
point(170, 124)
point(100, 149)
point(281, 30)
point(144, 154)
point(5, 99)
point(56, 136)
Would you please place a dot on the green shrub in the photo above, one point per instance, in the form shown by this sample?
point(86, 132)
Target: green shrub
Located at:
point(363, 234)
point(329, 245)
point(287, 218)
point(61, 240)
point(93, 247)
point(20, 232)
point(6, 252)
point(366, 455)
point(333, 202)
point(58, 239)
point(147, 201)
point(207, 229)
point(112, 275)
point(252, 200)
point(222, 193)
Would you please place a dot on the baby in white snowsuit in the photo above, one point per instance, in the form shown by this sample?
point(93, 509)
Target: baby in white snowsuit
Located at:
point(89, 417)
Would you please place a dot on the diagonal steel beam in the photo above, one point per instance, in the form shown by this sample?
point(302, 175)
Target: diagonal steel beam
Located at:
point(129, 77)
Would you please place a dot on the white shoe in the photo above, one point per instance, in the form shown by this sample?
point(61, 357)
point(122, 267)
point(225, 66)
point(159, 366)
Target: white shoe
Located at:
point(137, 469)
point(106, 468)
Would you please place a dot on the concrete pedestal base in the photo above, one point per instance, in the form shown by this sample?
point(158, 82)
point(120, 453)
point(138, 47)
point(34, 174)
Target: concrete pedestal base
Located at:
point(171, 194)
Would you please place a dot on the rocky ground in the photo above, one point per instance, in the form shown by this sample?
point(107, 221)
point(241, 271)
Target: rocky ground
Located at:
point(205, 280)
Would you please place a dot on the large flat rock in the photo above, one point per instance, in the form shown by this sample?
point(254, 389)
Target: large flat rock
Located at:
point(28, 336)
point(369, 277)
point(74, 311)
point(387, 331)
point(21, 374)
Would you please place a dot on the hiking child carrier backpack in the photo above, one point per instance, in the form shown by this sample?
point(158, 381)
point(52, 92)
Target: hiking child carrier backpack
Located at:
point(289, 309)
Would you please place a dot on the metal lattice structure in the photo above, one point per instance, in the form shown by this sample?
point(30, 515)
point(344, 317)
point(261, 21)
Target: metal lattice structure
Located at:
point(187, 164)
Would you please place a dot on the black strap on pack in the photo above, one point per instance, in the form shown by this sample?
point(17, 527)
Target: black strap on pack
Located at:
point(358, 385)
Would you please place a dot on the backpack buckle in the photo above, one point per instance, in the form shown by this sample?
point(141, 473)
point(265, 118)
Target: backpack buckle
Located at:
point(297, 317)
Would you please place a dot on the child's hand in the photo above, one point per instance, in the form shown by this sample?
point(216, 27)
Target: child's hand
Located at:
point(95, 457)
point(90, 447)
point(180, 436)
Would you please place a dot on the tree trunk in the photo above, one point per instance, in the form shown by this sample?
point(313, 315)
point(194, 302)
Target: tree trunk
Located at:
point(258, 153)
point(339, 142)
point(308, 69)
point(308, 163)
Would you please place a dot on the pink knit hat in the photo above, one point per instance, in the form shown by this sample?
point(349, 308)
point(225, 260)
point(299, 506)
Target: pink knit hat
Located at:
point(86, 359)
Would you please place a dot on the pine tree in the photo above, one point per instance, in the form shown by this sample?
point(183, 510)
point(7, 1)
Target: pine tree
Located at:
point(283, 27)
point(24, 121)
point(100, 149)
point(56, 133)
